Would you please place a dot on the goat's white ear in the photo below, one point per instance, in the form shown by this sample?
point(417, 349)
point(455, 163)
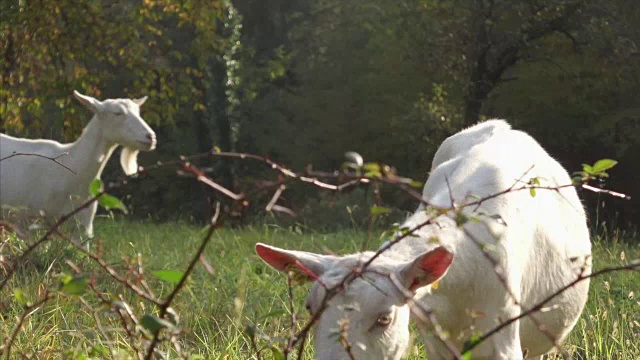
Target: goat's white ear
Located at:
point(129, 160)
point(140, 101)
point(310, 265)
point(90, 103)
point(426, 268)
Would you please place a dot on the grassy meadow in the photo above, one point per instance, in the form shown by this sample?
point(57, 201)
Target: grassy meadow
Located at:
point(215, 309)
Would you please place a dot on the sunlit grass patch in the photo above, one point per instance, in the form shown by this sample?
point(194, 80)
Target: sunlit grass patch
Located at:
point(244, 293)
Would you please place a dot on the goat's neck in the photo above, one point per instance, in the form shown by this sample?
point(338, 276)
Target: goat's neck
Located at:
point(90, 153)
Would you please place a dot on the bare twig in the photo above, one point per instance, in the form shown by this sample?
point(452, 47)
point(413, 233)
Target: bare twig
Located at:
point(254, 346)
point(275, 197)
point(605, 191)
point(204, 179)
point(114, 274)
point(344, 337)
point(140, 272)
point(7, 226)
point(54, 159)
point(291, 342)
point(125, 325)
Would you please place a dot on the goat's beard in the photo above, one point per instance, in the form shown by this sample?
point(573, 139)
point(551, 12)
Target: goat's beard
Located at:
point(129, 160)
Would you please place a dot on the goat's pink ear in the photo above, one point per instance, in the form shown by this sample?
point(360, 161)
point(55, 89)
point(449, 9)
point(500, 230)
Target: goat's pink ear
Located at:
point(140, 101)
point(89, 102)
point(426, 268)
point(310, 265)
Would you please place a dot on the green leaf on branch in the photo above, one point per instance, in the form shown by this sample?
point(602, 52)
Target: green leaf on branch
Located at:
point(154, 323)
point(599, 168)
point(466, 353)
point(406, 231)
point(379, 210)
point(604, 165)
point(587, 168)
point(371, 166)
point(99, 351)
point(373, 174)
point(277, 353)
point(20, 298)
point(105, 200)
point(461, 219)
point(577, 179)
point(74, 285)
point(111, 202)
point(95, 187)
point(372, 170)
point(170, 276)
point(416, 184)
point(532, 191)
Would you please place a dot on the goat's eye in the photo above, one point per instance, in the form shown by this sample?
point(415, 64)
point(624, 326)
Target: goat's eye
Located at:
point(308, 307)
point(118, 113)
point(384, 320)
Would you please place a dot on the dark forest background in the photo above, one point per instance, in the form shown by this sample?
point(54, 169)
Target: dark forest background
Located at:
point(304, 81)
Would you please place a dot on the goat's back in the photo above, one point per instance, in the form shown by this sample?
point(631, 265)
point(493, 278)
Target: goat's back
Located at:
point(539, 237)
point(464, 140)
point(27, 165)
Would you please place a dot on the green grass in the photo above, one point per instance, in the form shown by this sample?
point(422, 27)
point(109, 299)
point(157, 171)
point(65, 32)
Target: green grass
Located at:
point(610, 325)
point(215, 310)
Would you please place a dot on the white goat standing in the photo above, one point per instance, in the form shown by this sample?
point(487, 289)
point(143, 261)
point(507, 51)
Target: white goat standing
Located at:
point(34, 185)
point(540, 242)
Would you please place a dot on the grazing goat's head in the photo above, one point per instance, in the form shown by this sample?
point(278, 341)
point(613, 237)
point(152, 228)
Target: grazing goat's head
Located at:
point(368, 316)
point(122, 125)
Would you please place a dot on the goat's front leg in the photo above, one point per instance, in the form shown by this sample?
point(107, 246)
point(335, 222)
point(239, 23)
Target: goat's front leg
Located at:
point(84, 221)
point(505, 344)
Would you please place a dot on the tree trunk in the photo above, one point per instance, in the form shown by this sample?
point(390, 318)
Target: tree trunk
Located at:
point(472, 109)
point(477, 94)
point(219, 105)
point(202, 210)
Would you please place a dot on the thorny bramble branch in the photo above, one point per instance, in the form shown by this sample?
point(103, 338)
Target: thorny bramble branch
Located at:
point(321, 180)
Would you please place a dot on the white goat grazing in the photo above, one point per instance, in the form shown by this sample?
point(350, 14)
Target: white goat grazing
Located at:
point(35, 185)
point(541, 243)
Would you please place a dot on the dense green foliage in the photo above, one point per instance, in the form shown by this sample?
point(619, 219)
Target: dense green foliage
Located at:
point(215, 310)
point(303, 81)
